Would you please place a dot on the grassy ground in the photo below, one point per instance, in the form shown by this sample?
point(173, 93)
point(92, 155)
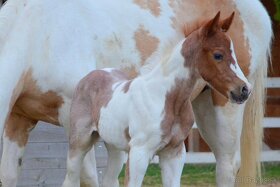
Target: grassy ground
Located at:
point(204, 175)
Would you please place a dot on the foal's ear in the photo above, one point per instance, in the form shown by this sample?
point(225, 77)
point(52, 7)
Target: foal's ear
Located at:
point(226, 23)
point(211, 26)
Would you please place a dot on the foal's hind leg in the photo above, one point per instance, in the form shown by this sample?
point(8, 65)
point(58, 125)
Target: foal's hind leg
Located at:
point(221, 127)
point(15, 137)
point(82, 137)
point(89, 176)
point(171, 164)
point(114, 167)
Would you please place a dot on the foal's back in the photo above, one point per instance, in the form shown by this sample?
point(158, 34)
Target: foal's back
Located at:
point(93, 92)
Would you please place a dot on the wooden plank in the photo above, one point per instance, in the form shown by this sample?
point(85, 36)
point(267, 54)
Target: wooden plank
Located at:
point(100, 150)
point(273, 82)
point(54, 163)
point(101, 172)
point(42, 177)
point(268, 122)
point(41, 185)
point(44, 163)
point(271, 122)
point(45, 132)
point(270, 156)
point(46, 150)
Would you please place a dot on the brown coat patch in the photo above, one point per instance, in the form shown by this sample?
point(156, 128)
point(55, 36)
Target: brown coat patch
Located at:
point(131, 71)
point(126, 134)
point(33, 104)
point(152, 5)
point(218, 99)
point(126, 86)
point(95, 91)
point(145, 43)
point(178, 114)
point(28, 106)
point(18, 127)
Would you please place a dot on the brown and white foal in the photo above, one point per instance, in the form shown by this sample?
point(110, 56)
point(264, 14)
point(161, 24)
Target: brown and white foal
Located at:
point(152, 114)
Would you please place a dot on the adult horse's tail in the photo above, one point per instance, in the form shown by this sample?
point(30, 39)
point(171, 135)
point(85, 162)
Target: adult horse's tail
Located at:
point(252, 132)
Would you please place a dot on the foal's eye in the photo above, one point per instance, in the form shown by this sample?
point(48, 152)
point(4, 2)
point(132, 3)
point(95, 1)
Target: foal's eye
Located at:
point(218, 56)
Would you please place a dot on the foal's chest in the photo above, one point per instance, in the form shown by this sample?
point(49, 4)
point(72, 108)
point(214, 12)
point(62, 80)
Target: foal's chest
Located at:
point(176, 128)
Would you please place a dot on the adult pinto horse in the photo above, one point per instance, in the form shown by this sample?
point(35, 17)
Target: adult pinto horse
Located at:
point(46, 48)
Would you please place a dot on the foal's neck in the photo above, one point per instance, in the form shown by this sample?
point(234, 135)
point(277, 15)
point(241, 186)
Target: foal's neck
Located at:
point(174, 73)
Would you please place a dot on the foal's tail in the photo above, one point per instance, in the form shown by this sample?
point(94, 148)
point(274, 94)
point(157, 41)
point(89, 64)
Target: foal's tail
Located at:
point(252, 132)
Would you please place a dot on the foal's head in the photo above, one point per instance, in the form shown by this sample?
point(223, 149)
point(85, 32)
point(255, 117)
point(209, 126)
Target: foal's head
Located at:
point(215, 59)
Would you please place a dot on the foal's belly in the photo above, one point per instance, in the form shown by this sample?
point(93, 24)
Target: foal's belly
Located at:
point(114, 133)
point(113, 123)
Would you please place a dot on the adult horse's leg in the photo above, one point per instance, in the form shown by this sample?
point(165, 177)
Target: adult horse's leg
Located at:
point(114, 167)
point(15, 137)
point(171, 164)
point(221, 127)
point(13, 146)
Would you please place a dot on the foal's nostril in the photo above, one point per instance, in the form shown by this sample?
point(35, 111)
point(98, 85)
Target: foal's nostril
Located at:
point(244, 90)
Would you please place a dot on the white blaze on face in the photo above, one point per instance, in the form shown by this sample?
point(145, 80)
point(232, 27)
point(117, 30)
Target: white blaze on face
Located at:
point(235, 67)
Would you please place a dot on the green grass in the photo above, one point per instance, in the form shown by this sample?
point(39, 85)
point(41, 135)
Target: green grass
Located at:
point(271, 173)
point(202, 175)
point(277, 7)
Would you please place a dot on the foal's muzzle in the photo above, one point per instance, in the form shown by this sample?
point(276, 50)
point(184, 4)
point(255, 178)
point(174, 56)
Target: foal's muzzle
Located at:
point(241, 94)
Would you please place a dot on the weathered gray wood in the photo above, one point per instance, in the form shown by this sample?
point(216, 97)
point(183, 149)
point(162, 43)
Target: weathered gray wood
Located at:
point(46, 150)
point(44, 161)
point(48, 133)
point(40, 177)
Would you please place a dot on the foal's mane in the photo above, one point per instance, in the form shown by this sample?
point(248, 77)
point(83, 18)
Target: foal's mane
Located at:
point(169, 45)
point(189, 28)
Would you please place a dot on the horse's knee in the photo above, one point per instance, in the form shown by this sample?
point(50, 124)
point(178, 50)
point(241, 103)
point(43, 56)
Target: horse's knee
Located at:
point(18, 127)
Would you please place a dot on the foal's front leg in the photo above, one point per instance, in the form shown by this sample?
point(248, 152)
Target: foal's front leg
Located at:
point(114, 167)
point(171, 163)
point(137, 163)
